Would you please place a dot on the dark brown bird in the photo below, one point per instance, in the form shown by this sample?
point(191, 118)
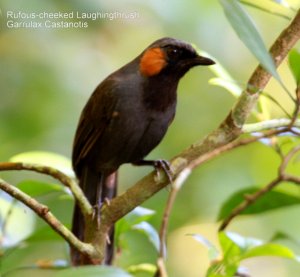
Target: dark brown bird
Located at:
point(125, 118)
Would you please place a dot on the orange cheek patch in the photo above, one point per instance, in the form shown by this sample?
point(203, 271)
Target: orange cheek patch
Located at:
point(152, 62)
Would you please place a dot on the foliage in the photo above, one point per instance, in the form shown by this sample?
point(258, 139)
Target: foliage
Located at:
point(29, 246)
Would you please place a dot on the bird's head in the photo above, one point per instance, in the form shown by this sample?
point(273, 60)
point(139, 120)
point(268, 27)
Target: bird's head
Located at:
point(170, 56)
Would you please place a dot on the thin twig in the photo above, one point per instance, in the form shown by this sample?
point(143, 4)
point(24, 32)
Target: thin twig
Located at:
point(252, 198)
point(232, 145)
point(270, 124)
point(183, 175)
point(43, 211)
point(162, 271)
point(165, 222)
point(196, 163)
point(286, 159)
point(229, 130)
point(79, 196)
point(296, 112)
point(249, 199)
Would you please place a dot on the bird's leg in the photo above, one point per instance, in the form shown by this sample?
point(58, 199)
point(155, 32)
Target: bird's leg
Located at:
point(97, 206)
point(105, 192)
point(158, 164)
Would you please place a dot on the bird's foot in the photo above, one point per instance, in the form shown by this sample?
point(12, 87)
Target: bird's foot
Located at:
point(159, 165)
point(96, 214)
point(97, 210)
point(107, 201)
point(108, 239)
point(165, 166)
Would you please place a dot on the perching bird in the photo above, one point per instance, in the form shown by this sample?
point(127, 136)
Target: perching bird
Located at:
point(125, 118)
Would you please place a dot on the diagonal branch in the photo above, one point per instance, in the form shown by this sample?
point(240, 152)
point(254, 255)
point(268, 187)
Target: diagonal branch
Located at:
point(229, 130)
point(43, 211)
point(85, 206)
point(250, 199)
point(271, 124)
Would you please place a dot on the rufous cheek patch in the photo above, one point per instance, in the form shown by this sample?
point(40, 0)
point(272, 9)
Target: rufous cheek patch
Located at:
point(152, 62)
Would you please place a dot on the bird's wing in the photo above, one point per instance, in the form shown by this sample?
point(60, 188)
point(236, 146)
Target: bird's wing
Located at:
point(94, 119)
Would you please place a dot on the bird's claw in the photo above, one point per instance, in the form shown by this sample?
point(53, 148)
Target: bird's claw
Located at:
point(96, 214)
point(158, 164)
point(107, 201)
point(165, 166)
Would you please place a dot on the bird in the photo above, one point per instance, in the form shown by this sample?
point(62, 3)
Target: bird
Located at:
point(126, 117)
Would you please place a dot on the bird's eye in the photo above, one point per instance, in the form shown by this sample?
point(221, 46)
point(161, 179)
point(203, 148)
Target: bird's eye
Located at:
point(173, 53)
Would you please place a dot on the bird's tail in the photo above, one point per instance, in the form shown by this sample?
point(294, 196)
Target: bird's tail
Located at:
point(97, 187)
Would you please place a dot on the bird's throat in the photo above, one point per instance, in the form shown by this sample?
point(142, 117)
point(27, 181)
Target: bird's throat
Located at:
point(160, 95)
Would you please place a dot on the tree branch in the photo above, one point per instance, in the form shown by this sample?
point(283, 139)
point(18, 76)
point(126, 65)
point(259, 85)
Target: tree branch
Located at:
point(218, 141)
point(228, 131)
point(270, 124)
point(43, 211)
point(80, 198)
point(250, 199)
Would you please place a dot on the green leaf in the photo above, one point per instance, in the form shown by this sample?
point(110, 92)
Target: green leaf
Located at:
point(231, 252)
point(37, 188)
point(271, 7)
point(92, 271)
point(276, 102)
point(148, 230)
point(237, 248)
point(294, 63)
point(224, 79)
point(139, 214)
point(149, 268)
point(270, 249)
point(247, 32)
point(42, 234)
point(136, 216)
point(229, 85)
point(283, 3)
point(213, 252)
point(244, 243)
point(14, 214)
point(270, 201)
point(279, 236)
point(47, 159)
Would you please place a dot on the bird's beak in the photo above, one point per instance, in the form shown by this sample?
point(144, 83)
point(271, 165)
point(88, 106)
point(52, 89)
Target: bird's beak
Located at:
point(200, 60)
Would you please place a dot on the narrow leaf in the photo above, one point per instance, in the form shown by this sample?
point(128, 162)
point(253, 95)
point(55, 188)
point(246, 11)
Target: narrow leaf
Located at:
point(37, 188)
point(243, 243)
point(224, 79)
point(139, 214)
point(283, 3)
point(279, 236)
point(231, 250)
point(150, 233)
point(294, 63)
point(247, 32)
point(276, 102)
point(270, 249)
point(270, 201)
point(213, 252)
point(47, 159)
point(270, 7)
point(229, 85)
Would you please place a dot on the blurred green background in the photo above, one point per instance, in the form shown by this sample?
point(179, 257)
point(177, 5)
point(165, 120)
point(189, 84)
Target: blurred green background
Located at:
point(46, 76)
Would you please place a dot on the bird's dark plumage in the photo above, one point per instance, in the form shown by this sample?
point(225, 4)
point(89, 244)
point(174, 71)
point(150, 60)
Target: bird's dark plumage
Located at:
point(125, 118)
